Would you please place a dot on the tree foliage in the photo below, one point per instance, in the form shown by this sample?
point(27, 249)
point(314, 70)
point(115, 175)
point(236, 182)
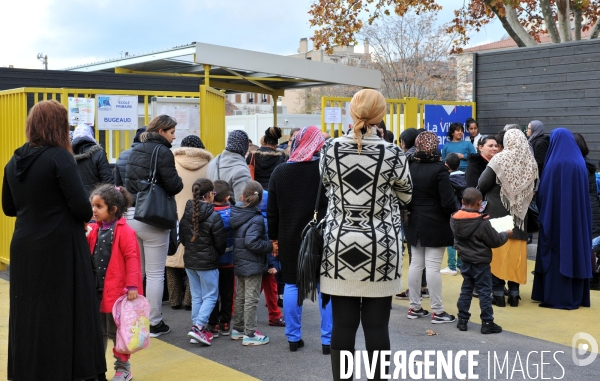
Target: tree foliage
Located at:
point(339, 21)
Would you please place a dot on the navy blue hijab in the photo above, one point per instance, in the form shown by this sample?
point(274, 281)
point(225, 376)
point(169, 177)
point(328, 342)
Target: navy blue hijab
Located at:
point(564, 203)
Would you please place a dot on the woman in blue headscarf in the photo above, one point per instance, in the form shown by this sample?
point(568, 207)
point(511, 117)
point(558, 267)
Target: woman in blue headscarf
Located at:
point(563, 268)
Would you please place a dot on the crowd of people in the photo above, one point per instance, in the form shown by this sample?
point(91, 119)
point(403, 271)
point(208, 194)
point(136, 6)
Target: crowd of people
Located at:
point(240, 215)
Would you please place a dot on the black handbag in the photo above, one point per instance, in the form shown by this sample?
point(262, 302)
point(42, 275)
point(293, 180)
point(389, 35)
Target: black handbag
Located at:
point(153, 206)
point(174, 240)
point(311, 253)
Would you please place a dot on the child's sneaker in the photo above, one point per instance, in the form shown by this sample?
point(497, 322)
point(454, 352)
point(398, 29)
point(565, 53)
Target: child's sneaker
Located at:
point(224, 329)
point(414, 314)
point(214, 329)
point(444, 317)
point(200, 334)
point(236, 335)
point(255, 339)
point(490, 327)
point(122, 375)
point(425, 293)
point(461, 324)
point(448, 271)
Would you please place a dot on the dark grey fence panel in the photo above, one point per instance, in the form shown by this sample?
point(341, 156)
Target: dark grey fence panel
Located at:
point(558, 84)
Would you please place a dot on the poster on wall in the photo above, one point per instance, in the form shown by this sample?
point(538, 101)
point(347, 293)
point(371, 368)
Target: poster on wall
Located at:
point(439, 117)
point(117, 112)
point(81, 110)
point(333, 115)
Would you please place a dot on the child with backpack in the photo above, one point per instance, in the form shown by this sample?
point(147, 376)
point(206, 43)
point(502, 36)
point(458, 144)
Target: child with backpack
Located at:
point(459, 183)
point(116, 254)
point(475, 238)
point(251, 247)
point(203, 235)
point(220, 318)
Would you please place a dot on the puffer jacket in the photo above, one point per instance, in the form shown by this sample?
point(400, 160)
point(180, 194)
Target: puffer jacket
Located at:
point(92, 164)
point(226, 260)
point(266, 159)
point(204, 252)
point(475, 237)
point(121, 166)
point(138, 165)
point(250, 242)
point(594, 199)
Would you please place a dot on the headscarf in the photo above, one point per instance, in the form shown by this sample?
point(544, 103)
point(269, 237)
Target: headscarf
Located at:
point(426, 146)
point(192, 141)
point(516, 172)
point(307, 142)
point(564, 204)
point(367, 108)
point(84, 131)
point(537, 129)
point(409, 136)
point(237, 142)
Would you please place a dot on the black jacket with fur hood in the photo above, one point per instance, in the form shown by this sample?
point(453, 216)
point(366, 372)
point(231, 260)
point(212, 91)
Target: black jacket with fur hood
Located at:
point(92, 164)
point(266, 160)
point(475, 237)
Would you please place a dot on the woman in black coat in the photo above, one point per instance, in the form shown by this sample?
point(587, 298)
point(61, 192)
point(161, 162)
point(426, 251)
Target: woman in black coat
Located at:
point(428, 231)
point(90, 158)
point(154, 242)
point(54, 326)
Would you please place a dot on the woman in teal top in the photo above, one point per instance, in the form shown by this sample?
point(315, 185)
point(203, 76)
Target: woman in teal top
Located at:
point(457, 145)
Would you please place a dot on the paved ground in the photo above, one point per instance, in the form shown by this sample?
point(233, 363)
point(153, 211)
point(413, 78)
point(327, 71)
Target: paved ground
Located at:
point(529, 331)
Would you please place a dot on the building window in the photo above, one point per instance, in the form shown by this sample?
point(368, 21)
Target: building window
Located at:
point(238, 98)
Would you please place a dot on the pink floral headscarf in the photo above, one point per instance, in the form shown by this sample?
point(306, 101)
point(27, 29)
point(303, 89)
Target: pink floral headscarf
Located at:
point(307, 142)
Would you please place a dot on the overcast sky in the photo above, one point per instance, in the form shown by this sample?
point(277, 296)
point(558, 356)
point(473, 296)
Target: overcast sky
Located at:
point(77, 32)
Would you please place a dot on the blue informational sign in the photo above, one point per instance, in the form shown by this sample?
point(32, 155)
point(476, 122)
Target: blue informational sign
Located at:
point(439, 117)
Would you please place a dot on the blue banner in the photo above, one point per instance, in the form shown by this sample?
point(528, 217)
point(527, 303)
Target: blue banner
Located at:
point(439, 117)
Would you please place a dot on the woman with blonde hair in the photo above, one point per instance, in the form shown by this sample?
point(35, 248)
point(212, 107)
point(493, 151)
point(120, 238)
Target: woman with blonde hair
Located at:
point(367, 181)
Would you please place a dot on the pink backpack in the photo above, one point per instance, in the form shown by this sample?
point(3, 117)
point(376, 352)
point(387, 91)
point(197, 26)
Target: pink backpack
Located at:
point(133, 325)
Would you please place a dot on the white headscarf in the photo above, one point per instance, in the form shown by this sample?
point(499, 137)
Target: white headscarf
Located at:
point(516, 172)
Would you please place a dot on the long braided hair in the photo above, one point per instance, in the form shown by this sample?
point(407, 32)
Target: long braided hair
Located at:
point(200, 189)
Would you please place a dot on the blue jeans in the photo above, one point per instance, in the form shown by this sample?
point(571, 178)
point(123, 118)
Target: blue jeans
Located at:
point(453, 259)
point(293, 316)
point(476, 276)
point(204, 287)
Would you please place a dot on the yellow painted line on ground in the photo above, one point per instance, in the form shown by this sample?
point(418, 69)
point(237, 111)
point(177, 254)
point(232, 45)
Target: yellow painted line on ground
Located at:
point(160, 361)
point(557, 326)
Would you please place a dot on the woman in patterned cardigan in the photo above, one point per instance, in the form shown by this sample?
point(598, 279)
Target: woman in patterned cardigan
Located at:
point(367, 181)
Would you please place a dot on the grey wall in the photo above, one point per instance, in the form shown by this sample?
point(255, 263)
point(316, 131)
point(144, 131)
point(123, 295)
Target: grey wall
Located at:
point(558, 84)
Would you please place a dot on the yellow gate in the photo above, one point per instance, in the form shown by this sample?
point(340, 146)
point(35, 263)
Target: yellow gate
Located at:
point(15, 104)
point(402, 113)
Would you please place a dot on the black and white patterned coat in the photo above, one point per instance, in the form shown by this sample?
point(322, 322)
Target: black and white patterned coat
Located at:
point(363, 249)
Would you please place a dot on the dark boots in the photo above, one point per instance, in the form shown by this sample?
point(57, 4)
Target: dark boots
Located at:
point(499, 301)
point(513, 298)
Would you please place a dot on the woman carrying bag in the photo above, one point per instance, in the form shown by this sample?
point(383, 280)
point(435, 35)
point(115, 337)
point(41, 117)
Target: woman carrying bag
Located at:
point(153, 241)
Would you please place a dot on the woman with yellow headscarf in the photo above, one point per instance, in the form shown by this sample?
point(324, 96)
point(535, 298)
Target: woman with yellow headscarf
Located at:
point(367, 181)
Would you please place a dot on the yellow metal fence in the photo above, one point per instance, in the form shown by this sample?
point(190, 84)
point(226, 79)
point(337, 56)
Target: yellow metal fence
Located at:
point(15, 104)
point(401, 114)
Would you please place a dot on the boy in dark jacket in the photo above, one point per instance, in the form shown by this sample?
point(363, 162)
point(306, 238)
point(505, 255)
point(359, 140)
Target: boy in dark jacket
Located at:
point(459, 183)
point(220, 318)
point(475, 237)
point(203, 235)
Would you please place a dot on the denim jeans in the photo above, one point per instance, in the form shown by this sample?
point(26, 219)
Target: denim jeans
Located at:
point(204, 286)
point(293, 316)
point(454, 261)
point(476, 276)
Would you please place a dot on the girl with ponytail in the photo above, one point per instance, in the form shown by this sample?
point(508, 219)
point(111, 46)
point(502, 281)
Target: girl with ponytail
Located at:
point(203, 236)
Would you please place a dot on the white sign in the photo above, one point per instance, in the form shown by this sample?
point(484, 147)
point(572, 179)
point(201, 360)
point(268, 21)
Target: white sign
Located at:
point(333, 115)
point(81, 110)
point(117, 112)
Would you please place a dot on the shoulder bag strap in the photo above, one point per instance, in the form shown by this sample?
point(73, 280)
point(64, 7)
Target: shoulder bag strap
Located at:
point(219, 168)
point(316, 211)
point(154, 158)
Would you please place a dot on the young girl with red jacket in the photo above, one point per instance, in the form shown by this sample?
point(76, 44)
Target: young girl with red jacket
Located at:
point(116, 254)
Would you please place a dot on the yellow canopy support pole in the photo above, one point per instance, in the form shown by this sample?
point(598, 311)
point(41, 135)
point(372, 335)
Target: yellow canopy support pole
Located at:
point(206, 75)
point(274, 111)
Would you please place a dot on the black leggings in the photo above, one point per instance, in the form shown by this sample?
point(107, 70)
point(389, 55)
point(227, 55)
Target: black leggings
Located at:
point(349, 312)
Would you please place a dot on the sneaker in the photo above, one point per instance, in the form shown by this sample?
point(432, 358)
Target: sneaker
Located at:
point(414, 314)
point(448, 271)
point(224, 329)
point(444, 317)
point(122, 375)
point(488, 327)
point(159, 329)
point(277, 323)
point(402, 296)
point(194, 341)
point(200, 334)
point(236, 335)
point(461, 324)
point(425, 293)
point(255, 339)
point(214, 329)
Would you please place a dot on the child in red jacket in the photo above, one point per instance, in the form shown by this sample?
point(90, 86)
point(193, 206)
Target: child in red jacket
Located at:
point(116, 254)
